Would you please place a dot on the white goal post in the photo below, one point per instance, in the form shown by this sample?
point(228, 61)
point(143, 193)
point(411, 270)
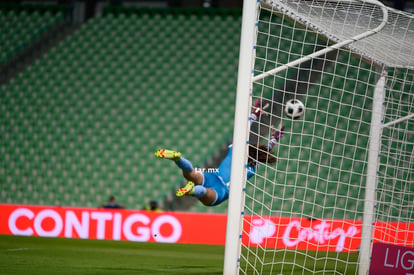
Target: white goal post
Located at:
point(344, 178)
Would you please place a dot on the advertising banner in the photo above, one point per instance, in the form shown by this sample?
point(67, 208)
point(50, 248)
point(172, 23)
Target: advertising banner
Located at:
point(193, 228)
point(301, 233)
point(128, 225)
point(391, 259)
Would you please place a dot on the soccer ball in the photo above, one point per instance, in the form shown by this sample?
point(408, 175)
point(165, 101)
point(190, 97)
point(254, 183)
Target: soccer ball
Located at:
point(294, 108)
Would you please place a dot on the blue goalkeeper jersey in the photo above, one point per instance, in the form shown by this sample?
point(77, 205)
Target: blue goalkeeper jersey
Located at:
point(225, 168)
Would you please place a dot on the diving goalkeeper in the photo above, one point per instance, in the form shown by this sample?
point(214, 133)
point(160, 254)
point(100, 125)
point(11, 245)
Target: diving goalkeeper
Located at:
point(213, 188)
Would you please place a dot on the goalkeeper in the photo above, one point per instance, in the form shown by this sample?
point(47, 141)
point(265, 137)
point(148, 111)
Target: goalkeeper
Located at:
point(213, 188)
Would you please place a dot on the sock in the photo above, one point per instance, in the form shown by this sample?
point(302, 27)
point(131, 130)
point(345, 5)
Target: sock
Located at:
point(184, 164)
point(199, 191)
point(271, 143)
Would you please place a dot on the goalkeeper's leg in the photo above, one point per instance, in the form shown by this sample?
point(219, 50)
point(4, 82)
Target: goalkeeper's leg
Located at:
point(205, 195)
point(184, 164)
point(194, 186)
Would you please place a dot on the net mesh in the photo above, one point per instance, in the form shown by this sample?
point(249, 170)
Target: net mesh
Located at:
point(303, 215)
point(395, 191)
point(342, 20)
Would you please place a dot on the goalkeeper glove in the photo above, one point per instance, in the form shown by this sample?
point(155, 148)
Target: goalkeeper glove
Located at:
point(259, 108)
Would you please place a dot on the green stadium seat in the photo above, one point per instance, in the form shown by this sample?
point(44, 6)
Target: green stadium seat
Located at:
point(20, 27)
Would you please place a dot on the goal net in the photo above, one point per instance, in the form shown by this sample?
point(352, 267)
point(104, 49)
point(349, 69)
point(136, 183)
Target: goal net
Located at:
point(344, 176)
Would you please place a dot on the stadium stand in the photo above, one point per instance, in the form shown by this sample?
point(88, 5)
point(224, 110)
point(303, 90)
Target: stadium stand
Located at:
point(83, 121)
point(21, 25)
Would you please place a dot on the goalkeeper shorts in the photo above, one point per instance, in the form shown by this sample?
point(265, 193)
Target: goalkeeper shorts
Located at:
point(213, 181)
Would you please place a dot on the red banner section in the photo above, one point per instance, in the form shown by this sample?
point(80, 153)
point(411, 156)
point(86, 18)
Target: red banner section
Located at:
point(86, 223)
point(197, 228)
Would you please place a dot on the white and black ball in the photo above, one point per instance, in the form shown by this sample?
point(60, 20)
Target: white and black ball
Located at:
point(294, 108)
